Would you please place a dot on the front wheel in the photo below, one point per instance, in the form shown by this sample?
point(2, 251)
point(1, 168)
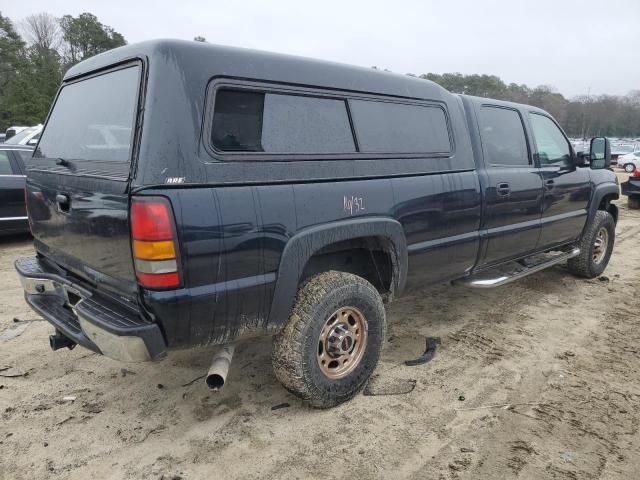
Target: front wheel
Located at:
point(629, 168)
point(331, 344)
point(596, 246)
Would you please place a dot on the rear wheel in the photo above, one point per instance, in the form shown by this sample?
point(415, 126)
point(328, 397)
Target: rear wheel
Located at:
point(332, 341)
point(633, 202)
point(629, 167)
point(596, 246)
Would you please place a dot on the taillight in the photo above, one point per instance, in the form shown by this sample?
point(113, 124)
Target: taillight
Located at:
point(636, 173)
point(154, 244)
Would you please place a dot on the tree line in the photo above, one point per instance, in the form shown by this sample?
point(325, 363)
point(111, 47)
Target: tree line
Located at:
point(584, 116)
point(37, 51)
point(35, 54)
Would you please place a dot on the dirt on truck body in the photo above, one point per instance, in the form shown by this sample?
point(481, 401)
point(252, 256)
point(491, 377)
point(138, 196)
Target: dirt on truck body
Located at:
point(548, 368)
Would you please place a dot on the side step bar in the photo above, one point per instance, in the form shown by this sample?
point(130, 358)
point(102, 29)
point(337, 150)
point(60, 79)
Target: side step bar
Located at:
point(502, 275)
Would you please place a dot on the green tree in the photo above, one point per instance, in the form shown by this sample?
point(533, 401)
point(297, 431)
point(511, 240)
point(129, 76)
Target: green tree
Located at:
point(84, 36)
point(12, 66)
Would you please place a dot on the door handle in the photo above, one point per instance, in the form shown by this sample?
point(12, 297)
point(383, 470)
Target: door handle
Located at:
point(549, 184)
point(503, 189)
point(63, 202)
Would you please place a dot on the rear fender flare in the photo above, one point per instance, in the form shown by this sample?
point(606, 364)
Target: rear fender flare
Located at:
point(303, 245)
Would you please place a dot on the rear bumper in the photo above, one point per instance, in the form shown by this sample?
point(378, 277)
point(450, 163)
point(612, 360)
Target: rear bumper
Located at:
point(93, 321)
point(629, 188)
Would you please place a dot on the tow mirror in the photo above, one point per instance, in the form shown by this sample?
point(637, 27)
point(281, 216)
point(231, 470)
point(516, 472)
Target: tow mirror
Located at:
point(600, 153)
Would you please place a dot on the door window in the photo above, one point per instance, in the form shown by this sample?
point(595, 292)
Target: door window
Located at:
point(503, 139)
point(553, 147)
point(5, 164)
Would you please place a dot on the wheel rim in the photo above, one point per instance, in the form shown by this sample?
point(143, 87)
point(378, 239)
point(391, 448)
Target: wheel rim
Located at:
point(629, 168)
point(600, 245)
point(342, 342)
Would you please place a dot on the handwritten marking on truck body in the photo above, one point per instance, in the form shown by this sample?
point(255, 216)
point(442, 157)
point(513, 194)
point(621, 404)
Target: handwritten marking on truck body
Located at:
point(353, 204)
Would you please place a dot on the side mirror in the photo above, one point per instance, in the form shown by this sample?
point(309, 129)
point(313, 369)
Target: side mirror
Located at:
point(600, 153)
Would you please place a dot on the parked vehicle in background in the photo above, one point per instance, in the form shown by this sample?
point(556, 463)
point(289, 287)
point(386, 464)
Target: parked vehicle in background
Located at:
point(631, 188)
point(2, 137)
point(621, 149)
point(188, 194)
point(28, 136)
point(11, 131)
point(13, 214)
point(630, 161)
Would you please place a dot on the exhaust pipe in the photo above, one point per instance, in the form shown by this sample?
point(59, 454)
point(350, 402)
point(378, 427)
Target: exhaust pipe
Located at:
point(58, 341)
point(217, 375)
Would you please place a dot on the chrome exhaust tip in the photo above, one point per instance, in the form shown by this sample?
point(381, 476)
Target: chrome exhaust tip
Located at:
point(217, 375)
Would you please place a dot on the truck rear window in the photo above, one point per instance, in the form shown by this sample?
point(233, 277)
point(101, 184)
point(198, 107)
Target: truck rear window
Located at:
point(93, 119)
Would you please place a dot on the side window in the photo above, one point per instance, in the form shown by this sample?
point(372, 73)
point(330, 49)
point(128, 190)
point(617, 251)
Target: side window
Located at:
point(276, 123)
point(503, 138)
point(384, 127)
point(5, 164)
point(26, 157)
point(552, 146)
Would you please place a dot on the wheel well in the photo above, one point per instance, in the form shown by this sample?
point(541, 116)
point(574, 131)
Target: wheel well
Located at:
point(367, 257)
point(607, 206)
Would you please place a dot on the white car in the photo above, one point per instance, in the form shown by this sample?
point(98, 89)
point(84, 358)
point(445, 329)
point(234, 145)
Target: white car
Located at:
point(28, 136)
point(629, 161)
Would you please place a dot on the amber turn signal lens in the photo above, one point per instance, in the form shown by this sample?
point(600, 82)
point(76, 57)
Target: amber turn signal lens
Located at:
point(153, 250)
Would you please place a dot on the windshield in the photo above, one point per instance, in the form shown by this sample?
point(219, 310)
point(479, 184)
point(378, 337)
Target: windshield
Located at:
point(18, 137)
point(93, 119)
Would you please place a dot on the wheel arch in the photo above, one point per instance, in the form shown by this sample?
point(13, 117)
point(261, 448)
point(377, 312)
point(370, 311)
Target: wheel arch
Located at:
point(305, 244)
point(601, 200)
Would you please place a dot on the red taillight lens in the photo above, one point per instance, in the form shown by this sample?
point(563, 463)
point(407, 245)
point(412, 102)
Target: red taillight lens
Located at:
point(154, 243)
point(151, 219)
point(636, 173)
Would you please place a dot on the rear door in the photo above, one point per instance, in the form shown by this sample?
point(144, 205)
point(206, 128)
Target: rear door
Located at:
point(567, 189)
point(512, 187)
point(77, 181)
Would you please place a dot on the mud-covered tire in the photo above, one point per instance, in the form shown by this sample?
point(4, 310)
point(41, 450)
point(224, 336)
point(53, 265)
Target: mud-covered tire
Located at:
point(296, 348)
point(633, 202)
point(585, 265)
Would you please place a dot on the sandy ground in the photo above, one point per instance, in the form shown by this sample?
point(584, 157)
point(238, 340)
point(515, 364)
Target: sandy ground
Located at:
point(563, 352)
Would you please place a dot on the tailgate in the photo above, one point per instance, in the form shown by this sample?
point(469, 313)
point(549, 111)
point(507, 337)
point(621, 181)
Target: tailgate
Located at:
point(78, 181)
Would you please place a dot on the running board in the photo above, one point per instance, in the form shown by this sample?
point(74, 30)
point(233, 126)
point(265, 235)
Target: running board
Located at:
point(502, 275)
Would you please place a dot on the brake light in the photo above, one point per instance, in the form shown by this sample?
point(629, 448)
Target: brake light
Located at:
point(636, 173)
point(153, 241)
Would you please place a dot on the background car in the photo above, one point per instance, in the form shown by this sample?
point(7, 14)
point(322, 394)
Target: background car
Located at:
point(28, 136)
point(619, 149)
point(13, 212)
point(629, 162)
point(11, 131)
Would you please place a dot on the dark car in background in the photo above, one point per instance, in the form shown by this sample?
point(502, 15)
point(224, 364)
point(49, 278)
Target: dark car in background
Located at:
point(13, 213)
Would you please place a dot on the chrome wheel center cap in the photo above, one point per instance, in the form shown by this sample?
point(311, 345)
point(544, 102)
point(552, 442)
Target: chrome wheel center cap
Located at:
point(340, 341)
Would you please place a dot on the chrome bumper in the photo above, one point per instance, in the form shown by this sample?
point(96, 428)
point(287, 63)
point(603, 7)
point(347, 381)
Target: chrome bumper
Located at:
point(97, 323)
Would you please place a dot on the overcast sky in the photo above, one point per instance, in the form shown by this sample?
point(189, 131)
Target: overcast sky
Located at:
point(572, 45)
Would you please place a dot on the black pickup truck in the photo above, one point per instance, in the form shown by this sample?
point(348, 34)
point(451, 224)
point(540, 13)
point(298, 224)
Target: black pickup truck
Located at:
point(187, 194)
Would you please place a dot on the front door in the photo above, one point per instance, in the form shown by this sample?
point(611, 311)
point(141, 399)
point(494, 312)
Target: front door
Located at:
point(512, 187)
point(567, 189)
